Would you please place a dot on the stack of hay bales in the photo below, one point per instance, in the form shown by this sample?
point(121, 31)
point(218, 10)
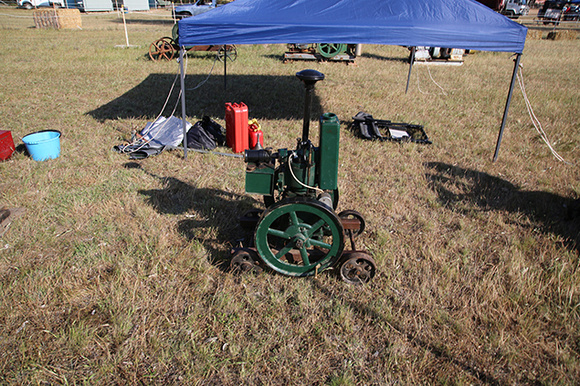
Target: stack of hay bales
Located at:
point(563, 35)
point(534, 34)
point(57, 18)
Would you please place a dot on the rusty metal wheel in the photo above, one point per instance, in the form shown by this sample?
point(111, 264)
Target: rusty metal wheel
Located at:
point(162, 49)
point(358, 268)
point(227, 51)
point(244, 261)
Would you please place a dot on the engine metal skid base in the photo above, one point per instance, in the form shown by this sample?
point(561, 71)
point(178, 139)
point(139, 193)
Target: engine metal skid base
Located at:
point(288, 56)
point(439, 62)
point(354, 267)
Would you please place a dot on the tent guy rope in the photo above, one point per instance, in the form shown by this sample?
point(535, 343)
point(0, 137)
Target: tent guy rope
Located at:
point(535, 120)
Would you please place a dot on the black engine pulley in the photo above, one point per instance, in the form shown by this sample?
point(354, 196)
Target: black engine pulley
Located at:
point(258, 156)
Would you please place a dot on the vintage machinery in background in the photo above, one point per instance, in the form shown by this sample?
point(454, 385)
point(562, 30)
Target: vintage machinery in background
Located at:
point(299, 233)
point(439, 55)
point(167, 48)
point(321, 51)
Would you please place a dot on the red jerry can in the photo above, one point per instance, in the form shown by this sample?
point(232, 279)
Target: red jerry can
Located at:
point(6, 145)
point(256, 135)
point(237, 127)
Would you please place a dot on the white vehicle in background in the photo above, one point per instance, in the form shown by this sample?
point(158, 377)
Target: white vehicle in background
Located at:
point(197, 8)
point(516, 8)
point(29, 4)
point(511, 8)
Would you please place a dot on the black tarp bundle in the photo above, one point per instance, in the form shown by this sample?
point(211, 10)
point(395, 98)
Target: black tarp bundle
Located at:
point(166, 134)
point(205, 135)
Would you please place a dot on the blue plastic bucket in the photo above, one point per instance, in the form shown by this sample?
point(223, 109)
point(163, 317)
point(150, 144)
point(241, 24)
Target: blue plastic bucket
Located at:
point(43, 145)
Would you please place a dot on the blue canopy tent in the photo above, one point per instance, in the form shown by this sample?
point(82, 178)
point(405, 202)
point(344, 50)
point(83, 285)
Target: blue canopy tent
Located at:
point(463, 24)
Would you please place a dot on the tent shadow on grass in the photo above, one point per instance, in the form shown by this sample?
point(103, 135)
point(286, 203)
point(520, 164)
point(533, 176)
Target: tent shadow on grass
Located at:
point(553, 213)
point(213, 213)
point(267, 97)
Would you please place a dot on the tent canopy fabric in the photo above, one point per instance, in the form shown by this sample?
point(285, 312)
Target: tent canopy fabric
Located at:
point(436, 23)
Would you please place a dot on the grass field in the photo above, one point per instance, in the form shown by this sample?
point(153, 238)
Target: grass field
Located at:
point(116, 273)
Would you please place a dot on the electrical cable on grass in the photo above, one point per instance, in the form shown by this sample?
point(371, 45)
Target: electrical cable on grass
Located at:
point(178, 96)
point(158, 116)
point(144, 143)
point(208, 75)
point(437, 84)
point(535, 120)
point(419, 84)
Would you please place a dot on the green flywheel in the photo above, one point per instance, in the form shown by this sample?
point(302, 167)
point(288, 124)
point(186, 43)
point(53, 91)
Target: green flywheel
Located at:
point(299, 237)
point(330, 50)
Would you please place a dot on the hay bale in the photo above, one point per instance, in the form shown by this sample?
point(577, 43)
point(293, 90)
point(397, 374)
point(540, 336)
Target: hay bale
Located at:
point(57, 18)
point(69, 18)
point(534, 34)
point(563, 35)
point(45, 18)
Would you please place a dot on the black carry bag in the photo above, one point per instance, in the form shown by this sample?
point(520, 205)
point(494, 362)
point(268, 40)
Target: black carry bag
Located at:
point(205, 135)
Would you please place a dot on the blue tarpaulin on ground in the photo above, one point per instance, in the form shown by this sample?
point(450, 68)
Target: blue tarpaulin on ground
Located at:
point(436, 23)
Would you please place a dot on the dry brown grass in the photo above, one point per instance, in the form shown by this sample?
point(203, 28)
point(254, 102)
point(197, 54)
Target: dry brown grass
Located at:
point(116, 273)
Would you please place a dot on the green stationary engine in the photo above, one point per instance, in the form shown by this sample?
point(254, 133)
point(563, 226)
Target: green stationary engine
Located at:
point(299, 233)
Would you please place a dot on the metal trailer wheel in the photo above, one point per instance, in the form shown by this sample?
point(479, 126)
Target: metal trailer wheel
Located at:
point(299, 237)
point(330, 50)
point(244, 261)
point(162, 49)
point(353, 214)
point(358, 268)
point(227, 51)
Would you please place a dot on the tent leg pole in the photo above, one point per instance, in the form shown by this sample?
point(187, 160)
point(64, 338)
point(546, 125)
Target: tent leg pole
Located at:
point(507, 106)
point(225, 68)
point(182, 78)
point(411, 60)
